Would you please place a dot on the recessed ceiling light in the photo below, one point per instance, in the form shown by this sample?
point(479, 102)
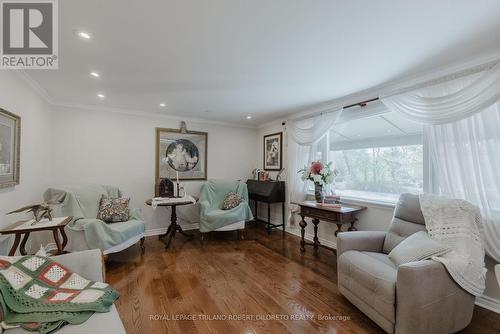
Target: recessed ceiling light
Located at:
point(83, 34)
point(249, 117)
point(95, 74)
point(163, 105)
point(101, 95)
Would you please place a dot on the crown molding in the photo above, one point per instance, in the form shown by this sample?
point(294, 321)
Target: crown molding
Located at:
point(34, 85)
point(138, 113)
point(74, 106)
point(326, 106)
point(394, 85)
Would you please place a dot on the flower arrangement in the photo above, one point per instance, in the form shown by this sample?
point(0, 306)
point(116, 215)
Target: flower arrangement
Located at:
point(319, 173)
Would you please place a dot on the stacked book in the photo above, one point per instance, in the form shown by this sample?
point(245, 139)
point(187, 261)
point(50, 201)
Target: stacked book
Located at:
point(332, 201)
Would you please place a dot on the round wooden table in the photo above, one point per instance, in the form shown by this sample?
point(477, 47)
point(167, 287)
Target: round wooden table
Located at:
point(173, 228)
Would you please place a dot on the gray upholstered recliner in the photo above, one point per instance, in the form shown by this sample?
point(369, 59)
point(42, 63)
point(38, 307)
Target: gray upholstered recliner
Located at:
point(416, 297)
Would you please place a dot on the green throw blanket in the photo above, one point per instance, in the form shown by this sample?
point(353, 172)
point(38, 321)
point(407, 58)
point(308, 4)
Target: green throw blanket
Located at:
point(82, 202)
point(41, 295)
point(212, 195)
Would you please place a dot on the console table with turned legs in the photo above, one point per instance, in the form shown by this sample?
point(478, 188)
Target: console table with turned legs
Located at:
point(346, 214)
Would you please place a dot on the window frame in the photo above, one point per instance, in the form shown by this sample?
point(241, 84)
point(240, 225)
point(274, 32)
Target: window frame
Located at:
point(413, 139)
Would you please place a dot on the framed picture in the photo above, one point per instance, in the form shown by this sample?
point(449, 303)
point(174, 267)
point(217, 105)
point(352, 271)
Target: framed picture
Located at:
point(183, 154)
point(273, 151)
point(10, 140)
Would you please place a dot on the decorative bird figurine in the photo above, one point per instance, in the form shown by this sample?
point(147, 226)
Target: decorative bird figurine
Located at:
point(40, 211)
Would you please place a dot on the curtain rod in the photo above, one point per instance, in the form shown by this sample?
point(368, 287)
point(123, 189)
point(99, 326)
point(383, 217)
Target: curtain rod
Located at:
point(456, 75)
point(362, 103)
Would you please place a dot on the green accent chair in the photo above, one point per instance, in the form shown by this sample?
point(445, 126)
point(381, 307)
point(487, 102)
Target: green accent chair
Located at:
point(88, 232)
point(212, 217)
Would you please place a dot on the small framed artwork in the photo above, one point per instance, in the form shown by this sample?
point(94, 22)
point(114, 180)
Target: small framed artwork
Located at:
point(273, 151)
point(10, 141)
point(181, 154)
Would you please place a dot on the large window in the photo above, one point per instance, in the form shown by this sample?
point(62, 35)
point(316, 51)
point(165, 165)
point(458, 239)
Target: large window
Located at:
point(378, 156)
point(379, 173)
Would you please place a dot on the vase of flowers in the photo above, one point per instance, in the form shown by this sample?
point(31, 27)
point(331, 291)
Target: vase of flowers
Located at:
point(321, 174)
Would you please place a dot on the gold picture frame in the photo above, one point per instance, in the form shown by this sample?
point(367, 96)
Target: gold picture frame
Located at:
point(182, 152)
point(10, 148)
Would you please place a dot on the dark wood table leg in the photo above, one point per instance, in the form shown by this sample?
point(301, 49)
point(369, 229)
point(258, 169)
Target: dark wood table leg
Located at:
point(173, 226)
point(283, 215)
point(16, 243)
point(181, 231)
point(58, 243)
point(315, 239)
point(22, 249)
point(256, 211)
point(268, 218)
point(339, 229)
point(352, 228)
point(64, 237)
point(302, 225)
point(166, 233)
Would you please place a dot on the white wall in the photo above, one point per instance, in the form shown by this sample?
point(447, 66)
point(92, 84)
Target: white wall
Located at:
point(19, 98)
point(119, 149)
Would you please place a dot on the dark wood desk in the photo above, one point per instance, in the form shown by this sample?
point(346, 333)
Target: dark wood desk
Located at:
point(269, 192)
point(55, 228)
point(346, 214)
point(173, 228)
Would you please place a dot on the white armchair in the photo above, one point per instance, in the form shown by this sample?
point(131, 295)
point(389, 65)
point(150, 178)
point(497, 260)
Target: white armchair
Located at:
point(88, 232)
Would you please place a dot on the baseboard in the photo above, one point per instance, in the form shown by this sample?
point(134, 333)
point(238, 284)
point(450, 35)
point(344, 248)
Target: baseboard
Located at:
point(489, 303)
point(163, 230)
point(310, 237)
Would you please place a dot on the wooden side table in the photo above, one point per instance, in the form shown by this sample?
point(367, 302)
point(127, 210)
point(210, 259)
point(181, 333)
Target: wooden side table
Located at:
point(25, 228)
point(173, 228)
point(346, 214)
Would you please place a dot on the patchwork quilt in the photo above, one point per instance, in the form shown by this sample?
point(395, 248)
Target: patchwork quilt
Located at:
point(41, 295)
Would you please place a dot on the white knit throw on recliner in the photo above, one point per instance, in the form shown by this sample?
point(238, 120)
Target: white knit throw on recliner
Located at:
point(457, 224)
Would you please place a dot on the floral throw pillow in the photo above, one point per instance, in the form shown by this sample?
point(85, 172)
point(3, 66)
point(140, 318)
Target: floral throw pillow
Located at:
point(113, 210)
point(231, 200)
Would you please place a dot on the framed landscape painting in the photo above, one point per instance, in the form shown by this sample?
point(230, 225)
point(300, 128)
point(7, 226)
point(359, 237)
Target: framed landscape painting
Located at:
point(273, 151)
point(181, 153)
point(10, 138)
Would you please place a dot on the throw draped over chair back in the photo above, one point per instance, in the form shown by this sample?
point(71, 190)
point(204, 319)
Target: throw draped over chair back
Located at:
point(80, 201)
point(216, 190)
point(212, 196)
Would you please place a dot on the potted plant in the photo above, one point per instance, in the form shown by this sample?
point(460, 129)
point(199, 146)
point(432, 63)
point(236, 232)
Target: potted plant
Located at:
point(321, 175)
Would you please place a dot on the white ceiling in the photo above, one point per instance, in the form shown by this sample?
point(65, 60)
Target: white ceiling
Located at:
point(264, 58)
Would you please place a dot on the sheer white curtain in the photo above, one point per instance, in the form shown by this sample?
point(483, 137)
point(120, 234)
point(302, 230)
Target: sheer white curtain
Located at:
point(307, 131)
point(444, 103)
point(302, 136)
point(463, 139)
point(466, 164)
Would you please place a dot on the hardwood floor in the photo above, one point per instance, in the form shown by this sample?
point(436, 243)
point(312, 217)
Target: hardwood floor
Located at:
point(259, 285)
